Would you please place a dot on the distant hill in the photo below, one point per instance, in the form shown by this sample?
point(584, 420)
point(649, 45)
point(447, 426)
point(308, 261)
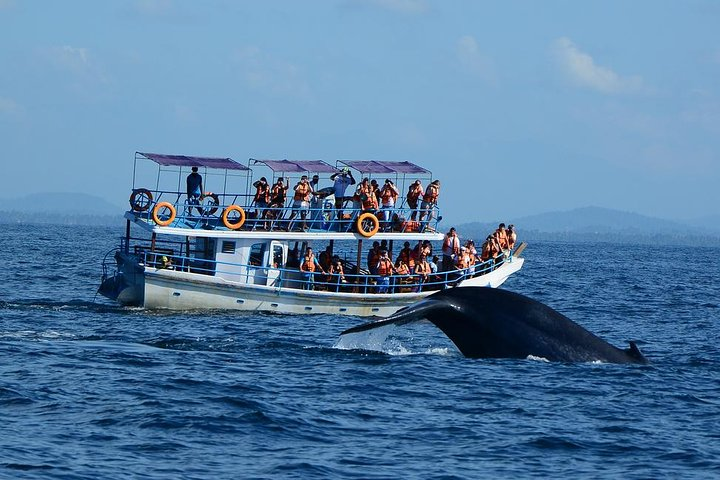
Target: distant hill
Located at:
point(60, 208)
point(602, 224)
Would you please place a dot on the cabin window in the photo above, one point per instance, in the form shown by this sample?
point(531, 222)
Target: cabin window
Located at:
point(257, 252)
point(277, 258)
point(228, 247)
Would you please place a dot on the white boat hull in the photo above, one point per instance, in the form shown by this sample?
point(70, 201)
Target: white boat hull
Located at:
point(176, 290)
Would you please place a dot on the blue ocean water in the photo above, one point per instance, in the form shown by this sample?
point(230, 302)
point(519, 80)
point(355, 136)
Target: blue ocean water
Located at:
point(92, 390)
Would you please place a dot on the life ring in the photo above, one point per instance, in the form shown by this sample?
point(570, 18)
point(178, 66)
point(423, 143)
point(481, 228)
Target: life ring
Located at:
point(140, 199)
point(229, 223)
point(367, 216)
point(156, 214)
point(212, 207)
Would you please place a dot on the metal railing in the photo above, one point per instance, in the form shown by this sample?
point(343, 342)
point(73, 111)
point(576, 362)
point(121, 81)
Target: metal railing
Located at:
point(319, 215)
point(293, 278)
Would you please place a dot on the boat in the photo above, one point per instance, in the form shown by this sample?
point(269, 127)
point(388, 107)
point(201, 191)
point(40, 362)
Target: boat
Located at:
point(225, 250)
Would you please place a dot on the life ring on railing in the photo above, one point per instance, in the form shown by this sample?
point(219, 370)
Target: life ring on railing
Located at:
point(362, 223)
point(229, 223)
point(156, 214)
point(211, 207)
point(140, 199)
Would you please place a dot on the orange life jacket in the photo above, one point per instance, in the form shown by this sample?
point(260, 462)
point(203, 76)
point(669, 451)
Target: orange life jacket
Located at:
point(422, 267)
point(370, 200)
point(308, 264)
point(384, 267)
point(502, 239)
point(263, 193)
point(406, 256)
point(414, 193)
point(302, 192)
point(402, 269)
point(431, 194)
point(387, 194)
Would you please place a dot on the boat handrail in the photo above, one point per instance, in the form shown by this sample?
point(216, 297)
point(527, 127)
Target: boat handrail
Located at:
point(293, 278)
point(222, 212)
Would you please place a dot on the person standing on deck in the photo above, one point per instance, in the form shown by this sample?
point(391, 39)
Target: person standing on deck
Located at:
point(194, 189)
point(388, 196)
point(341, 180)
point(450, 249)
point(384, 269)
point(301, 202)
point(308, 266)
point(429, 203)
point(413, 196)
point(261, 199)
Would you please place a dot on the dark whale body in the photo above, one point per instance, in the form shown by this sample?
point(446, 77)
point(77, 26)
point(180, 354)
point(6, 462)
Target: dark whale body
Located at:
point(493, 323)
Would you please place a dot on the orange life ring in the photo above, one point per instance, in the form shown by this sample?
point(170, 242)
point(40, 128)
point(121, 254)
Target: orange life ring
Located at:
point(156, 214)
point(213, 207)
point(360, 224)
point(140, 199)
point(227, 222)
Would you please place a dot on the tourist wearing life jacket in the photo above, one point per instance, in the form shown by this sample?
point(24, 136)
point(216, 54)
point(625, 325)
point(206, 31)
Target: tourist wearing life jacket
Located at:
point(278, 193)
point(450, 248)
point(422, 270)
point(373, 257)
point(384, 269)
point(429, 202)
point(415, 191)
point(388, 196)
point(512, 237)
point(367, 196)
point(301, 202)
point(308, 266)
point(261, 199)
point(406, 256)
point(336, 274)
point(502, 237)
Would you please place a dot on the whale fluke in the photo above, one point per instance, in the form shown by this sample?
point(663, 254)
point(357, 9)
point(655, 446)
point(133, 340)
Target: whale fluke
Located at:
point(494, 323)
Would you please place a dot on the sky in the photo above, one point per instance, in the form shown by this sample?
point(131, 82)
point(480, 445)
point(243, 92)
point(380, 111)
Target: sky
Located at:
point(518, 107)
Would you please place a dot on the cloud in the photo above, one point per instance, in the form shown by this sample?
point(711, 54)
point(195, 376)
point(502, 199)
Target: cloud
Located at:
point(261, 71)
point(408, 7)
point(472, 59)
point(75, 61)
point(582, 70)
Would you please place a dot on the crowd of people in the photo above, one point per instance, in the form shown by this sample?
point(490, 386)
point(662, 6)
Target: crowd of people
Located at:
point(415, 267)
point(269, 201)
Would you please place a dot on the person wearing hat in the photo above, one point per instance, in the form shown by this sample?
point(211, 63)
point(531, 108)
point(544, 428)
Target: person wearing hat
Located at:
point(194, 189)
point(342, 180)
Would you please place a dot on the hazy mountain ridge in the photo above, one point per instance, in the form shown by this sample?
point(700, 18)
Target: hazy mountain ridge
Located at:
point(601, 224)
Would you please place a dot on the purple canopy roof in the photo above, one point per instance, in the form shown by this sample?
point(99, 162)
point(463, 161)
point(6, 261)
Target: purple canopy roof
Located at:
point(373, 166)
point(297, 166)
point(185, 161)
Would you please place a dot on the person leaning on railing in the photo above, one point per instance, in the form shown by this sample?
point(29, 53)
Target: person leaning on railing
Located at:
point(384, 269)
point(308, 266)
point(413, 196)
point(422, 270)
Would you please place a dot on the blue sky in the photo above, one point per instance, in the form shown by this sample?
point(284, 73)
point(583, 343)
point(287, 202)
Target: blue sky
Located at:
point(518, 107)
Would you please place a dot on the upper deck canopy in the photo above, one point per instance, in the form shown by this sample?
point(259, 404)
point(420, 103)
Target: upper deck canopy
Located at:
point(385, 167)
point(185, 161)
point(297, 166)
